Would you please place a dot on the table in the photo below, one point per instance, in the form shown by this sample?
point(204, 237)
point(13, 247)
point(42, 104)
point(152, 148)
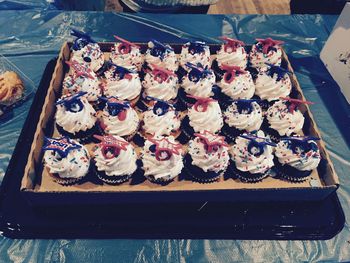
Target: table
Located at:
point(30, 38)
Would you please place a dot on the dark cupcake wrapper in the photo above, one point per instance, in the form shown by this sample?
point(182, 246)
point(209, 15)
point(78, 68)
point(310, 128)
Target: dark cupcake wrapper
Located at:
point(198, 175)
point(289, 173)
point(161, 182)
point(67, 181)
point(247, 177)
point(230, 133)
point(187, 132)
point(83, 137)
point(112, 180)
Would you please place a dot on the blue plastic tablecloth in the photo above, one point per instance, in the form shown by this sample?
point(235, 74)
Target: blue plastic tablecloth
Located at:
point(30, 38)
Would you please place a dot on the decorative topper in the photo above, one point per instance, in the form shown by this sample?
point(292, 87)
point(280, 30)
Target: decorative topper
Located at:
point(82, 39)
point(272, 70)
point(80, 70)
point(231, 44)
point(158, 49)
point(161, 74)
point(165, 149)
point(201, 104)
point(161, 107)
point(118, 70)
point(72, 102)
point(198, 72)
point(196, 47)
point(256, 147)
point(125, 46)
point(116, 107)
point(231, 72)
point(294, 103)
point(61, 145)
point(268, 44)
point(300, 145)
point(245, 106)
point(211, 141)
point(111, 146)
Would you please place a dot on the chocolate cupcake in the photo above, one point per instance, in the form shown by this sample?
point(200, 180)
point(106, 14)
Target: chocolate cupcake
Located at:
point(161, 55)
point(297, 157)
point(266, 51)
point(115, 159)
point(252, 157)
point(67, 161)
point(207, 157)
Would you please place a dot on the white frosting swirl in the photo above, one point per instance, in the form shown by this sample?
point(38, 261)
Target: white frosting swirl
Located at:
point(117, 127)
point(216, 161)
point(167, 90)
point(284, 121)
point(161, 125)
point(161, 170)
point(202, 88)
point(306, 161)
point(241, 87)
point(269, 88)
point(169, 61)
point(73, 85)
point(129, 60)
point(74, 122)
point(244, 121)
point(238, 57)
point(210, 120)
point(247, 162)
point(259, 59)
point(74, 165)
point(122, 164)
point(92, 51)
point(202, 58)
point(123, 89)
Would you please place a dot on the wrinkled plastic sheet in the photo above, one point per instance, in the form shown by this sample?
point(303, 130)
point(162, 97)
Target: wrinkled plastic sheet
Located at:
point(31, 38)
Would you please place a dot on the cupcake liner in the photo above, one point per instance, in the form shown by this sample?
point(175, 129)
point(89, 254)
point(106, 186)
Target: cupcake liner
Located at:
point(66, 181)
point(198, 175)
point(83, 137)
point(291, 174)
point(247, 177)
point(159, 181)
point(230, 132)
point(112, 180)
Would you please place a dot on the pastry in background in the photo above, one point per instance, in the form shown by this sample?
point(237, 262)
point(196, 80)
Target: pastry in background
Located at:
point(11, 88)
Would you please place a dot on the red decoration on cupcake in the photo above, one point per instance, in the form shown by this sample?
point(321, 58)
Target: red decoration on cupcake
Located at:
point(111, 146)
point(201, 104)
point(212, 141)
point(295, 103)
point(161, 74)
point(231, 44)
point(231, 72)
point(165, 148)
point(125, 46)
point(268, 43)
point(79, 69)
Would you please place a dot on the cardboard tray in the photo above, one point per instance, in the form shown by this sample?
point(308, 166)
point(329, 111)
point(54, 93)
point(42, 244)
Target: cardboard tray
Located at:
point(39, 188)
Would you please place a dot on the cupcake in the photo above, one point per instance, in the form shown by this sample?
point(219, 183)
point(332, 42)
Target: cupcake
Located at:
point(115, 159)
point(196, 53)
point(232, 53)
point(236, 84)
point(122, 83)
point(242, 116)
point(161, 84)
point(297, 157)
point(207, 157)
point(82, 79)
point(161, 119)
point(67, 161)
point(86, 51)
point(198, 82)
point(11, 88)
point(75, 117)
point(162, 159)
point(204, 115)
point(119, 118)
point(252, 157)
point(284, 119)
point(161, 55)
point(126, 54)
point(266, 51)
point(273, 83)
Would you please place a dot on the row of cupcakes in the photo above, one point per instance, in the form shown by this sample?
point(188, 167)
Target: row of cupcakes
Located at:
point(251, 158)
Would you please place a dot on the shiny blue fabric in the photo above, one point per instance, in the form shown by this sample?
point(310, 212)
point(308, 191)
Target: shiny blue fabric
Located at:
point(31, 38)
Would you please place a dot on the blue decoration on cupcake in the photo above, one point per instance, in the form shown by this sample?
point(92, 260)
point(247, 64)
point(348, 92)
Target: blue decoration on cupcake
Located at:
point(196, 47)
point(161, 107)
point(244, 106)
point(117, 70)
point(159, 49)
point(279, 71)
point(82, 39)
point(61, 145)
point(197, 72)
point(301, 145)
point(114, 106)
point(73, 103)
point(256, 147)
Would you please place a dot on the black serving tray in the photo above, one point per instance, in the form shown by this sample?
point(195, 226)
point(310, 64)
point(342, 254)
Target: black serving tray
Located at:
point(283, 220)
